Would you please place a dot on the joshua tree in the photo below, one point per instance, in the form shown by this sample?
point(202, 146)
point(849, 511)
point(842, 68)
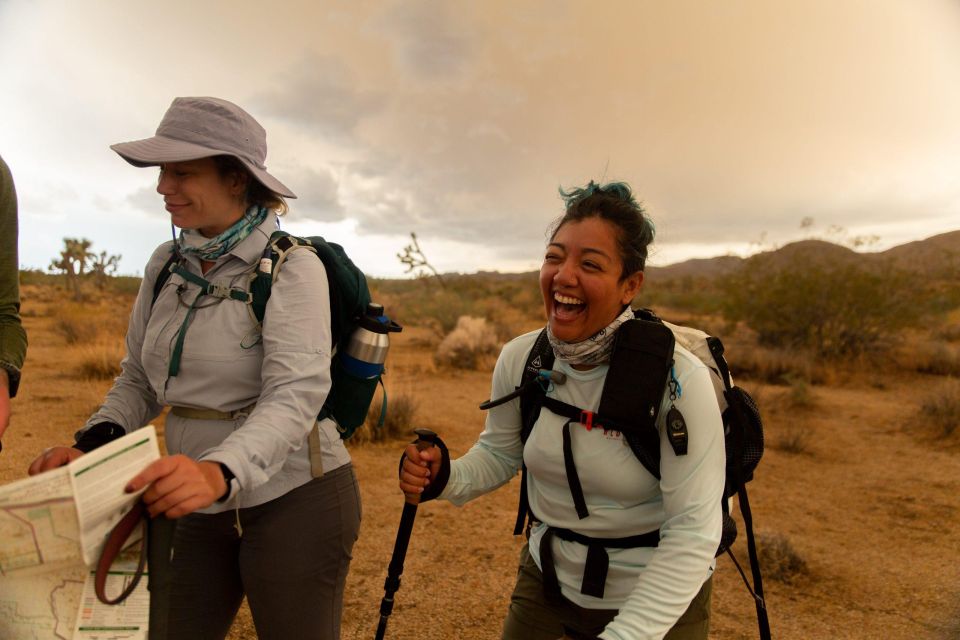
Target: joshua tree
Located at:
point(102, 267)
point(74, 259)
point(413, 257)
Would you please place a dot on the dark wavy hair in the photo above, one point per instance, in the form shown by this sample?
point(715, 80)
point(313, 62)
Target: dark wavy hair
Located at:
point(257, 193)
point(613, 202)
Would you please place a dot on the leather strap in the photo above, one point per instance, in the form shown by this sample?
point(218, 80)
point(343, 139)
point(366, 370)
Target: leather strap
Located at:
point(111, 549)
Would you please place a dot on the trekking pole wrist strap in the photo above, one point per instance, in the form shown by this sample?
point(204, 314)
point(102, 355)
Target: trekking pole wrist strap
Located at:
point(437, 484)
point(98, 435)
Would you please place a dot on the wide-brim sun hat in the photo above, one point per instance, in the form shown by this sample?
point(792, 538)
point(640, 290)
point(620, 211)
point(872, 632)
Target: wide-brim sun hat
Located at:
point(194, 128)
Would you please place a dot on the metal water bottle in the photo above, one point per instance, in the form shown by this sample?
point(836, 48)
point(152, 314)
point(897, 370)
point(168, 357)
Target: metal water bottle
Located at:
point(366, 351)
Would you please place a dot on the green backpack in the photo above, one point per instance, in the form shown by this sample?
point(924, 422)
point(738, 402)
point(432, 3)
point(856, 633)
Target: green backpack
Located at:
point(350, 395)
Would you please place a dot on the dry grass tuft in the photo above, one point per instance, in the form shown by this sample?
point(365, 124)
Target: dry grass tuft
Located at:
point(795, 438)
point(75, 325)
point(799, 394)
point(397, 425)
point(778, 559)
point(941, 410)
point(100, 360)
point(473, 344)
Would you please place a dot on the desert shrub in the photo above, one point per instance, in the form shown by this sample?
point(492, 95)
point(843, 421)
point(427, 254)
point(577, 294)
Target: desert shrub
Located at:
point(947, 326)
point(76, 324)
point(423, 303)
point(795, 438)
point(472, 344)
point(936, 358)
point(949, 332)
point(36, 277)
point(799, 394)
point(778, 558)
point(941, 409)
point(698, 295)
point(101, 360)
point(835, 310)
point(398, 423)
point(125, 285)
point(774, 366)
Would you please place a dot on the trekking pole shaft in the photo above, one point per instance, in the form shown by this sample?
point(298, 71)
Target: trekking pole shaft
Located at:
point(395, 569)
point(403, 539)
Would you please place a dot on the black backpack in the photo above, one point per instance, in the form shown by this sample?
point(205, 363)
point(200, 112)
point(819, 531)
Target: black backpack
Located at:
point(640, 371)
point(349, 399)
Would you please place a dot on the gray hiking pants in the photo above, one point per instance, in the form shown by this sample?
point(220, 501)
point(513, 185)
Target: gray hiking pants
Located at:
point(291, 561)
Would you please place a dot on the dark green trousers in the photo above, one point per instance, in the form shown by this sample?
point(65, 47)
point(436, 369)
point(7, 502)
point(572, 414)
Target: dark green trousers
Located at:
point(532, 617)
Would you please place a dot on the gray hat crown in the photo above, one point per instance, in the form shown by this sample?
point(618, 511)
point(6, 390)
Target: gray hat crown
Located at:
point(216, 124)
point(194, 128)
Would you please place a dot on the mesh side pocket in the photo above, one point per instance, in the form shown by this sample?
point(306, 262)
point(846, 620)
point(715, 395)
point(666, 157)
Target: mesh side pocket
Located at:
point(729, 533)
point(752, 429)
point(349, 399)
point(744, 438)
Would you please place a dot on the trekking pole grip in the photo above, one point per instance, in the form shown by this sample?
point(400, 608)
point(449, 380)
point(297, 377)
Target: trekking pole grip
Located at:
point(425, 439)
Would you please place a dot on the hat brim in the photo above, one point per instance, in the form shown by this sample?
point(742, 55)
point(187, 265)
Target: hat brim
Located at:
point(154, 151)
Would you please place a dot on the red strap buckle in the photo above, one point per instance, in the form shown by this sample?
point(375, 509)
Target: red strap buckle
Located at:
point(586, 419)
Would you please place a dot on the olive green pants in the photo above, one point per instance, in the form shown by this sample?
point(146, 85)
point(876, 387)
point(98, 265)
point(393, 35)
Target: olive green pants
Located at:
point(532, 617)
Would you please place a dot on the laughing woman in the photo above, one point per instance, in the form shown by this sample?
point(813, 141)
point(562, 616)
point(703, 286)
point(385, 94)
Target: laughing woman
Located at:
point(254, 519)
point(659, 584)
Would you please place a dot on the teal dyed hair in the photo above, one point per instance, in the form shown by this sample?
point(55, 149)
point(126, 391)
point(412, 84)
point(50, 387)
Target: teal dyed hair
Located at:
point(613, 202)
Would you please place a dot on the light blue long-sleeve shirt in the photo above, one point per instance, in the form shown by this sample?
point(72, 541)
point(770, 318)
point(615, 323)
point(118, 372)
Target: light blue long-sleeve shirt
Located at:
point(651, 587)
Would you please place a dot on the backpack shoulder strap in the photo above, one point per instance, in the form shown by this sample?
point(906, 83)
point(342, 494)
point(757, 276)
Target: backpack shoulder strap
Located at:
point(540, 357)
point(165, 272)
point(716, 350)
point(274, 255)
point(633, 390)
point(270, 261)
point(349, 293)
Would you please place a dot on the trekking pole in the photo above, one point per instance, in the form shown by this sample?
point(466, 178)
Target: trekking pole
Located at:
point(425, 440)
point(160, 530)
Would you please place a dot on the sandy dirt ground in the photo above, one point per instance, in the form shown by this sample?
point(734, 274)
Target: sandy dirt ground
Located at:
point(871, 505)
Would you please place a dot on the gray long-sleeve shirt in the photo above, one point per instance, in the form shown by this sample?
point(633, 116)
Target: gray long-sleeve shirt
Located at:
point(228, 364)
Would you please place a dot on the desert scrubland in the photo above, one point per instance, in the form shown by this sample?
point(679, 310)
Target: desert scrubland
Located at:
point(853, 358)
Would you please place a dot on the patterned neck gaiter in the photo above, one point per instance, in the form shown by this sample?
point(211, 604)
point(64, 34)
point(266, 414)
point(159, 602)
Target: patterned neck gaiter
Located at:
point(192, 242)
point(595, 349)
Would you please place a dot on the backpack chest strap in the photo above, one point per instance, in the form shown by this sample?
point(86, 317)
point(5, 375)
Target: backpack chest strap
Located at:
point(588, 419)
point(215, 289)
point(207, 288)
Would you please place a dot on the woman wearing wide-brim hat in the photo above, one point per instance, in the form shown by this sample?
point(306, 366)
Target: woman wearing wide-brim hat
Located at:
point(255, 517)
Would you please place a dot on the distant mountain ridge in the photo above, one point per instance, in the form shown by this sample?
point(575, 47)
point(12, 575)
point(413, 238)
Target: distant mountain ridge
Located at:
point(938, 255)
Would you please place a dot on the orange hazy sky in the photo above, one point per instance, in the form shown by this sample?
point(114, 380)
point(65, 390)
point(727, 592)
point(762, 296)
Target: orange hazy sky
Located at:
point(734, 121)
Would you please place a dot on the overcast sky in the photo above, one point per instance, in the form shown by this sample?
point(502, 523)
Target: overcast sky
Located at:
point(733, 120)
